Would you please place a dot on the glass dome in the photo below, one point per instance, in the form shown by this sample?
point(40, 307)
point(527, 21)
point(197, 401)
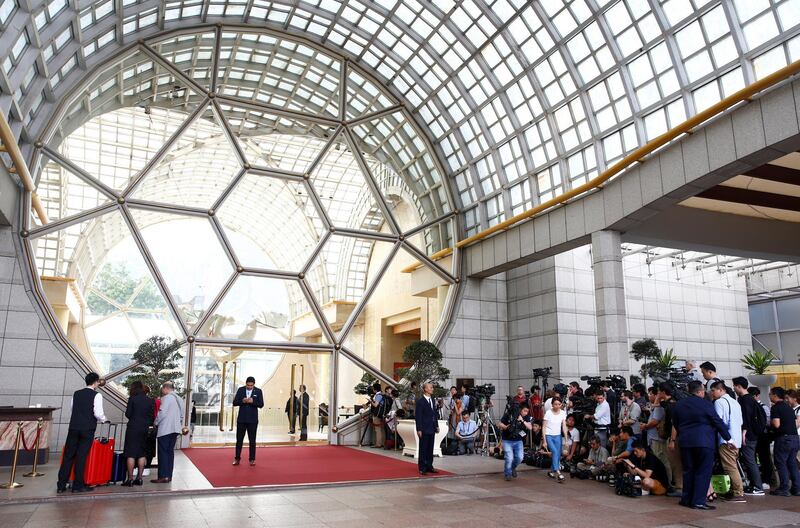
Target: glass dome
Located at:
point(232, 213)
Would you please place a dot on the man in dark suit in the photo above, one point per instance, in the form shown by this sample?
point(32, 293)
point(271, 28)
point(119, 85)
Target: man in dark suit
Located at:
point(427, 420)
point(695, 423)
point(304, 410)
point(249, 399)
point(87, 410)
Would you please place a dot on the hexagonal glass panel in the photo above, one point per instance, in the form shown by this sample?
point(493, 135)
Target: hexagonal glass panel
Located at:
point(64, 194)
point(338, 275)
point(402, 167)
point(266, 310)
point(118, 123)
point(102, 294)
point(262, 210)
point(199, 167)
point(189, 257)
point(342, 188)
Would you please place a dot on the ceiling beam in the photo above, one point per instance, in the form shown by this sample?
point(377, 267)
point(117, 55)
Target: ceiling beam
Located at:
point(748, 197)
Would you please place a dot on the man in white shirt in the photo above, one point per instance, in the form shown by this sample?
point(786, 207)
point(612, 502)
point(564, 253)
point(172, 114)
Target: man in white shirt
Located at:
point(465, 433)
point(87, 410)
point(730, 412)
point(601, 418)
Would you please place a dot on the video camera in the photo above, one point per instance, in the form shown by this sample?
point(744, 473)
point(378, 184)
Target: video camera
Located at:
point(542, 372)
point(615, 381)
point(487, 390)
point(679, 379)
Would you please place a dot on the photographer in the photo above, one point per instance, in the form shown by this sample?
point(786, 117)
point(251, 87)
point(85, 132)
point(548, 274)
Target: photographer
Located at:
point(595, 459)
point(630, 413)
point(601, 418)
point(380, 404)
point(515, 424)
point(555, 433)
point(647, 467)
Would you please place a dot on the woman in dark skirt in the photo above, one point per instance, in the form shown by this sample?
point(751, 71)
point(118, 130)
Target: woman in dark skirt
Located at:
point(140, 418)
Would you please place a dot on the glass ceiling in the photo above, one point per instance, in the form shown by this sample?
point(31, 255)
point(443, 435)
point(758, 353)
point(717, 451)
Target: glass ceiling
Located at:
point(521, 99)
point(182, 207)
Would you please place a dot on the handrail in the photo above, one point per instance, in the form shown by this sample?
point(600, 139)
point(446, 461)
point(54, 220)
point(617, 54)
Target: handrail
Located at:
point(637, 155)
point(11, 147)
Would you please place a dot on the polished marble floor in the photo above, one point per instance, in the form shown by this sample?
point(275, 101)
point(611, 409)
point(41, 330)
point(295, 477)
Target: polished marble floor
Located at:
point(475, 501)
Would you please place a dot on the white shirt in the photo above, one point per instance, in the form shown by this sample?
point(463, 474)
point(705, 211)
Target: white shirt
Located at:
point(553, 421)
point(602, 414)
point(573, 437)
point(430, 403)
point(248, 392)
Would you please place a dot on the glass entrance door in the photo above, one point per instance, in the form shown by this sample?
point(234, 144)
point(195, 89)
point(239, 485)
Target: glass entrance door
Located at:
point(218, 372)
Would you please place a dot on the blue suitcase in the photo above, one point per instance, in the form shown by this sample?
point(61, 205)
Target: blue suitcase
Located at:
point(119, 470)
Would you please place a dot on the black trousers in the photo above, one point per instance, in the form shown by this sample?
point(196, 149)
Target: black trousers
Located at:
point(250, 429)
point(765, 458)
point(292, 422)
point(76, 451)
point(303, 427)
point(426, 452)
point(698, 462)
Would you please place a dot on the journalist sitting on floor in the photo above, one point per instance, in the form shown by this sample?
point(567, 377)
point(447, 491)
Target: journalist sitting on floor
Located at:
point(465, 434)
point(595, 458)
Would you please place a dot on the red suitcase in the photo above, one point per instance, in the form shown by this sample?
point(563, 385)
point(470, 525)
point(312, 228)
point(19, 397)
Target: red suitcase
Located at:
point(99, 462)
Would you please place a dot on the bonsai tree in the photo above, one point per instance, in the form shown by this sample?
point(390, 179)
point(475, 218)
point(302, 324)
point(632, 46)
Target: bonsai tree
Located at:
point(157, 360)
point(758, 362)
point(426, 366)
point(656, 364)
point(367, 380)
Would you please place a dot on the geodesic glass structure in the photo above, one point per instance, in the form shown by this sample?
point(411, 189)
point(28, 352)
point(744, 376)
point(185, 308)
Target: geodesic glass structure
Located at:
point(233, 213)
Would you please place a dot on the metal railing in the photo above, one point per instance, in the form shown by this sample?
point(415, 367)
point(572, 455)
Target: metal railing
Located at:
point(20, 168)
point(745, 94)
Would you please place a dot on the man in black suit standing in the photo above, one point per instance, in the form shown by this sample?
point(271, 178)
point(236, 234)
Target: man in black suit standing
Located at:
point(304, 410)
point(249, 399)
point(427, 420)
point(695, 424)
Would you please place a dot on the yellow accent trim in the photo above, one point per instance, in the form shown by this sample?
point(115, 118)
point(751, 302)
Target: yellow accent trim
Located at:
point(745, 94)
point(21, 168)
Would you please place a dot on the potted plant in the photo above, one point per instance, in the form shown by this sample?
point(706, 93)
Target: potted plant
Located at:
point(757, 362)
point(426, 367)
point(157, 362)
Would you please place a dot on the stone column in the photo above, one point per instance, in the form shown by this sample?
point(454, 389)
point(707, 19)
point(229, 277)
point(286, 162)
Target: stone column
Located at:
point(609, 299)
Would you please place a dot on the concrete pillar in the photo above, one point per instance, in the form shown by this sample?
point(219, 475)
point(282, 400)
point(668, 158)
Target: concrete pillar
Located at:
point(609, 299)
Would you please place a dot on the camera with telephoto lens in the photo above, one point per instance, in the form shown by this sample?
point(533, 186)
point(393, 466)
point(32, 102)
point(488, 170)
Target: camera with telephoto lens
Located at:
point(487, 390)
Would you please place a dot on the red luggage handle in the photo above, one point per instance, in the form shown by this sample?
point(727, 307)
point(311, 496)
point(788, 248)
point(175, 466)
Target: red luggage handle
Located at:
point(105, 439)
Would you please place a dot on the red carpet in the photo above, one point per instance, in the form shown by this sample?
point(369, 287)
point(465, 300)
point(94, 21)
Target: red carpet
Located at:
point(299, 465)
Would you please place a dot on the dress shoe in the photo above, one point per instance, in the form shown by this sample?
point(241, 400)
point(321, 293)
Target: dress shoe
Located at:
point(162, 480)
point(703, 507)
point(235, 461)
point(138, 482)
point(423, 473)
point(252, 462)
point(61, 489)
point(127, 484)
point(83, 489)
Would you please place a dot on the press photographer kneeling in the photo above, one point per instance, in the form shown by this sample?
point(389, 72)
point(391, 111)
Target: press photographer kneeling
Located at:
point(648, 468)
point(515, 424)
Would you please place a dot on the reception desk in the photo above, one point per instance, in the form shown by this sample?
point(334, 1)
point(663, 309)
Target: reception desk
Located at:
point(29, 416)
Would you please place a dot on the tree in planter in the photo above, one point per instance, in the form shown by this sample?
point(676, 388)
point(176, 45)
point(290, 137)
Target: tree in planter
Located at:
point(656, 364)
point(426, 366)
point(366, 383)
point(158, 362)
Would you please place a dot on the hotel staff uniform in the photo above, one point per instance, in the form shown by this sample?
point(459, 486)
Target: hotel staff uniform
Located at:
point(87, 410)
point(247, 422)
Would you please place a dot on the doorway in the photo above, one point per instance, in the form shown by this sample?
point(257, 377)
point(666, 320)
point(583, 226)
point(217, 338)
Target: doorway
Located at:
point(219, 372)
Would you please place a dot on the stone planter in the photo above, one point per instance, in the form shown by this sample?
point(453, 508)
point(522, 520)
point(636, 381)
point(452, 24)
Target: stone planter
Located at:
point(763, 382)
point(407, 429)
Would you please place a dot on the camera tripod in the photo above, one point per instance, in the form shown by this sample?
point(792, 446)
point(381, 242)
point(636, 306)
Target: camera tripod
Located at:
point(487, 429)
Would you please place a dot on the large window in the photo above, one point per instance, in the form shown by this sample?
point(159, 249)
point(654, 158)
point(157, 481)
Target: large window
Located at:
point(259, 203)
point(775, 326)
